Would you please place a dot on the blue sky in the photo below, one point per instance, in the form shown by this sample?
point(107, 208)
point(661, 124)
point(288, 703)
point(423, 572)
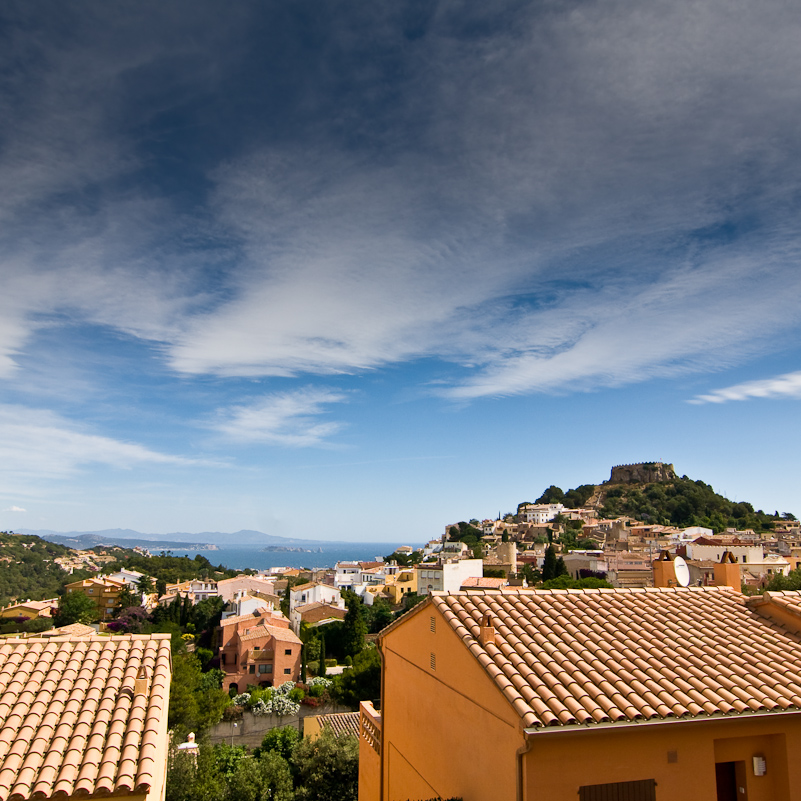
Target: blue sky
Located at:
point(358, 271)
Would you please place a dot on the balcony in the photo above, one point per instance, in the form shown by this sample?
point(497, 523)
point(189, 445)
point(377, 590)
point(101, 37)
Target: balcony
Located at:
point(370, 726)
point(260, 655)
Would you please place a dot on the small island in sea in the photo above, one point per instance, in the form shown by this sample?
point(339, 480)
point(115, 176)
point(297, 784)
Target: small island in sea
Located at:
point(291, 549)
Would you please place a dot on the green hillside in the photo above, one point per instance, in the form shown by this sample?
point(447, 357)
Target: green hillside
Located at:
point(28, 570)
point(678, 502)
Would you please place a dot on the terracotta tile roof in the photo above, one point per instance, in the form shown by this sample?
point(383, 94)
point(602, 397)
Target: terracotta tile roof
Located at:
point(286, 635)
point(484, 582)
point(75, 719)
point(720, 540)
point(278, 634)
point(314, 613)
point(307, 586)
point(257, 616)
point(341, 723)
point(73, 630)
point(565, 657)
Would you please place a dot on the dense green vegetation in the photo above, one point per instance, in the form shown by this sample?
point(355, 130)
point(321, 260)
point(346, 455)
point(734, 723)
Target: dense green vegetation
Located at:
point(168, 569)
point(469, 535)
point(28, 571)
point(681, 502)
point(573, 499)
point(684, 502)
point(405, 559)
point(285, 768)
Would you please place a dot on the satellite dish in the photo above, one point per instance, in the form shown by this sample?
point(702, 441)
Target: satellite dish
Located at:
point(682, 571)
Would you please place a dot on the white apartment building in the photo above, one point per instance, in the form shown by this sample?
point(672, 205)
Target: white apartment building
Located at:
point(539, 512)
point(244, 604)
point(447, 576)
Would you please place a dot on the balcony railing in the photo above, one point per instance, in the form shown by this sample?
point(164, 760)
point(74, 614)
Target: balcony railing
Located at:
point(370, 726)
point(260, 655)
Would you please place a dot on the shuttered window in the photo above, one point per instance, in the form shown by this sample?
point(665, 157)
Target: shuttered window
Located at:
point(644, 790)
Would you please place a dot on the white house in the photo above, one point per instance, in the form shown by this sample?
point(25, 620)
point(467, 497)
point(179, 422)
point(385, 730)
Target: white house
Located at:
point(447, 576)
point(539, 512)
point(302, 595)
point(711, 549)
point(770, 565)
point(244, 604)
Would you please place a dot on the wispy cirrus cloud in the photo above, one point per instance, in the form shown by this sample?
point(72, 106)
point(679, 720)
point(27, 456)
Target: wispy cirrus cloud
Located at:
point(621, 183)
point(783, 386)
point(282, 418)
point(538, 243)
point(15, 509)
point(44, 444)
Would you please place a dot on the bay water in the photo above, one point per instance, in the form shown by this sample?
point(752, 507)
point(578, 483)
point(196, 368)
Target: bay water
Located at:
point(241, 557)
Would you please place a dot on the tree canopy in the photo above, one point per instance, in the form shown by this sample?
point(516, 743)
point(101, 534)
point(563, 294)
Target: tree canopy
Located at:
point(76, 607)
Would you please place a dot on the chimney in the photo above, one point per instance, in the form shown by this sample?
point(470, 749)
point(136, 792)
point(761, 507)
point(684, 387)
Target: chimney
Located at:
point(727, 572)
point(140, 684)
point(487, 633)
point(664, 571)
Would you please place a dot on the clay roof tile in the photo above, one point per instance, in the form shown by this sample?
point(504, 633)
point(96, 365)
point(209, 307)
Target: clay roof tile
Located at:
point(67, 722)
point(575, 656)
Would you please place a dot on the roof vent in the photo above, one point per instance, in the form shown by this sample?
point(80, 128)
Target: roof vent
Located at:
point(140, 685)
point(487, 632)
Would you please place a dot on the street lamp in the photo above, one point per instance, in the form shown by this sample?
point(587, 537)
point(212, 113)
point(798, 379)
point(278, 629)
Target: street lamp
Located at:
point(232, 734)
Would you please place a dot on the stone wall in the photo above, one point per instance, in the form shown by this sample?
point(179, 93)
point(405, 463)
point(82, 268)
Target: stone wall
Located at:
point(250, 730)
point(642, 473)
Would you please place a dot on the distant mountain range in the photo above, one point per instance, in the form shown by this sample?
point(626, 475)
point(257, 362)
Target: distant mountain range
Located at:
point(127, 538)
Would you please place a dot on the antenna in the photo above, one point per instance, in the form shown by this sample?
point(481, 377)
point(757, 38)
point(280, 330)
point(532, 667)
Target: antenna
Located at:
point(682, 571)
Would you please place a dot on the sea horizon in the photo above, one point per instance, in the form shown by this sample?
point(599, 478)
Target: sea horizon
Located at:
point(243, 557)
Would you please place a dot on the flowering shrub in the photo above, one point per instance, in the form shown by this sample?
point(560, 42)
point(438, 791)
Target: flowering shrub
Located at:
point(320, 681)
point(261, 708)
point(241, 699)
point(285, 688)
point(282, 705)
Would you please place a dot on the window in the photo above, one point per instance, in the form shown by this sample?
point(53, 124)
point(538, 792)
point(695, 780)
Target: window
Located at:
point(256, 648)
point(644, 790)
point(222, 659)
point(287, 671)
point(288, 652)
point(251, 669)
point(265, 668)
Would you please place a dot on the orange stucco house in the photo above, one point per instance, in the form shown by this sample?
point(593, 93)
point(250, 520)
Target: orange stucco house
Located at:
point(258, 649)
point(596, 695)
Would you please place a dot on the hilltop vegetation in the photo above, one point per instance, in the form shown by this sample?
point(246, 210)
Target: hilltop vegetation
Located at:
point(678, 502)
point(168, 569)
point(28, 570)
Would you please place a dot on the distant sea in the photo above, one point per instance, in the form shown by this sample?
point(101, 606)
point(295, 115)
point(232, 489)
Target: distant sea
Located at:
point(246, 556)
